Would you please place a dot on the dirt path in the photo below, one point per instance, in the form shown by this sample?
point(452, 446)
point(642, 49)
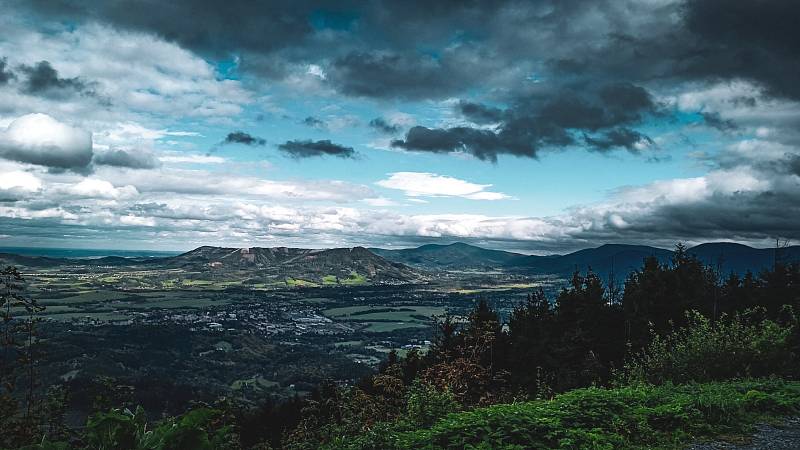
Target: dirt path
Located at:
point(783, 437)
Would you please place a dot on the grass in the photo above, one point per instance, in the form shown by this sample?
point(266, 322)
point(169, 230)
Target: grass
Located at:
point(110, 306)
point(346, 311)
point(188, 282)
point(353, 280)
point(382, 319)
point(385, 327)
point(631, 417)
point(296, 282)
point(370, 313)
point(86, 297)
point(495, 288)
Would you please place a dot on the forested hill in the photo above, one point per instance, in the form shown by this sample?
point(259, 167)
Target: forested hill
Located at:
point(340, 262)
point(619, 258)
point(453, 256)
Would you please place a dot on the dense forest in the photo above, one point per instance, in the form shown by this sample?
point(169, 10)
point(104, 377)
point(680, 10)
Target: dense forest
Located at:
point(677, 352)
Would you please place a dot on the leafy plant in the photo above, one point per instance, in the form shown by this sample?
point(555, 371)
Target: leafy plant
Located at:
point(641, 416)
point(742, 345)
point(426, 405)
point(126, 430)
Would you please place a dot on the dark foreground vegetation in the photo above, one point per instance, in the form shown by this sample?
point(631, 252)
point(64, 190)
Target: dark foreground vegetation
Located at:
point(681, 353)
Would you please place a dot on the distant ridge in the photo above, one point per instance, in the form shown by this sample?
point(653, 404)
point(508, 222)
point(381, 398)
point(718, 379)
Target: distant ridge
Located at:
point(738, 258)
point(453, 256)
point(85, 253)
point(405, 265)
point(619, 258)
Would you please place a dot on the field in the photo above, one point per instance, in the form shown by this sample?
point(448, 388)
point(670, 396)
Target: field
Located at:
point(76, 303)
point(75, 281)
point(382, 319)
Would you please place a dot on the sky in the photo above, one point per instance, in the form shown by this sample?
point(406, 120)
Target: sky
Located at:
point(534, 126)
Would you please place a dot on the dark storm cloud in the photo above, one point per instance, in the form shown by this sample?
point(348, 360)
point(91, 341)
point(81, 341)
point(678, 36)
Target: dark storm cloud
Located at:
point(240, 137)
point(313, 122)
point(484, 144)
point(211, 28)
point(51, 156)
point(694, 40)
point(536, 123)
point(380, 124)
point(306, 149)
point(714, 120)
point(794, 165)
point(739, 215)
point(478, 113)
point(5, 74)
point(43, 80)
point(392, 75)
point(757, 40)
point(619, 138)
point(431, 49)
point(127, 159)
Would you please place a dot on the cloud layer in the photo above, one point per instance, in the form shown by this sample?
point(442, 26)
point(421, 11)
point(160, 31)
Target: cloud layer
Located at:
point(110, 113)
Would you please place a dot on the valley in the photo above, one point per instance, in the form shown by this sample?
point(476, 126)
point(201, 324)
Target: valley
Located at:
point(258, 323)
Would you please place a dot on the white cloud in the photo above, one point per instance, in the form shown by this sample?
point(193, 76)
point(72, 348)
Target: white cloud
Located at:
point(137, 221)
point(424, 184)
point(192, 159)
point(96, 188)
point(137, 79)
point(206, 183)
point(42, 140)
point(132, 132)
point(379, 202)
point(20, 180)
point(316, 71)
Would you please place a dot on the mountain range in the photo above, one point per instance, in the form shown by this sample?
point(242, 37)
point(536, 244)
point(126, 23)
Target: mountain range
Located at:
point(411, 264)
point(618, 258)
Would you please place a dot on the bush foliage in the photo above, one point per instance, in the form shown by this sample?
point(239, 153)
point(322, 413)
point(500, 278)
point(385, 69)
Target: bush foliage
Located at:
point(742, 345)
point(629, 417)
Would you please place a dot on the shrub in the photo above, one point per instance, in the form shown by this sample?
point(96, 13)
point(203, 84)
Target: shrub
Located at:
point(426, 405)
point(126, 430)
point(642, 416)
point(737, 346)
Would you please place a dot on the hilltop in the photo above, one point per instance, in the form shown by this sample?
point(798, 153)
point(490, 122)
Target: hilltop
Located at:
point(355, 265)
point(314, 264)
